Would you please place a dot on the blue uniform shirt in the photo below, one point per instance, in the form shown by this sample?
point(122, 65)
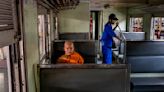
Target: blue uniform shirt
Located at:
point(108, 34)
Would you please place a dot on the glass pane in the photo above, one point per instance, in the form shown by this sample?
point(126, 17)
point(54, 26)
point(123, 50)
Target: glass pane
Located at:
point(158, 28)
point(2, 81)
point(41, 32)
point(4, 70)
point(49, 35)
point(136, 24)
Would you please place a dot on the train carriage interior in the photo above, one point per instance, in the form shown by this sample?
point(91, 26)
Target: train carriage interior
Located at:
point(33, 32)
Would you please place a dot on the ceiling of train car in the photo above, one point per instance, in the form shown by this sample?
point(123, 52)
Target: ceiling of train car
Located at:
point(58, 5)
point(99, 4)
point(146, 5)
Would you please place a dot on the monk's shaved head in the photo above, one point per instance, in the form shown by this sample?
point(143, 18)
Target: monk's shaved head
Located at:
point(68, 43)
point(68, 47)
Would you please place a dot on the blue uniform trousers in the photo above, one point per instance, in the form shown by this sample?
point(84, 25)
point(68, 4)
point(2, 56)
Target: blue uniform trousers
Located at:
point(107, 54)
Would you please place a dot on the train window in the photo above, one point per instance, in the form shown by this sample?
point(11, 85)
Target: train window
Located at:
point(8, 22)
point(5, 75)
point(2, 57)
point(9, 35)
point(48, 36)
point(41, 32)
point(56, 35)
point(44, 36)
point(136, 24)
point(17, 67)
point(157, 28)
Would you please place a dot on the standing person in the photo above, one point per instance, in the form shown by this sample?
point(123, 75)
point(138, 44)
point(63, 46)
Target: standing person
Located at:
point(107, 38)
point(70, 56)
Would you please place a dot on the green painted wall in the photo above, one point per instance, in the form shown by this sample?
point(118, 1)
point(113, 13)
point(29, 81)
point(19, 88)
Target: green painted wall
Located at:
point(136, 11)
point(75, 20)
point(147, 25)
point(30, 41)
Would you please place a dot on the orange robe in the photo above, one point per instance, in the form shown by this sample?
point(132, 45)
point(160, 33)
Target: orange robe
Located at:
point(74, 58)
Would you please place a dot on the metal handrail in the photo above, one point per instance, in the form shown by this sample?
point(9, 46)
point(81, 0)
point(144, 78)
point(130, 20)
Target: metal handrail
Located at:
point(124, 53)
point(121, 33)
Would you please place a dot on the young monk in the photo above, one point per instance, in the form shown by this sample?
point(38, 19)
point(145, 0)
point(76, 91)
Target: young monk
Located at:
point(70, 56)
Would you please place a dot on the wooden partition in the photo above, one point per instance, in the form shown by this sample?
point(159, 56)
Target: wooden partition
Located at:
point(145, 56)
point(74, 36)
point(84, 78)
point(147, 65)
